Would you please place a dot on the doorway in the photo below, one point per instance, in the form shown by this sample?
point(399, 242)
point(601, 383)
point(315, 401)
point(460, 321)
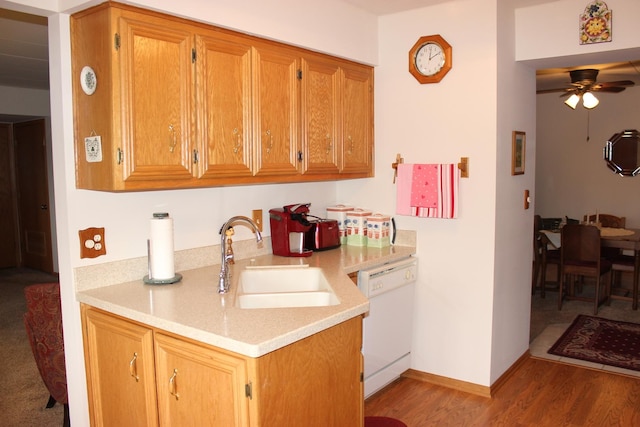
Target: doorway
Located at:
point(25, 230)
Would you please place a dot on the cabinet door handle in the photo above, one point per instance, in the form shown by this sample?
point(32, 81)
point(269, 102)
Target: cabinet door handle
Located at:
point(173, 388)
point(173, 139)
point(238, 144)
point(270, 141)
point(133, 367)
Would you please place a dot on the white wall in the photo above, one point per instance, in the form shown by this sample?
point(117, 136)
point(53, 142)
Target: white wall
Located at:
point(549, 31)
point(24, 102)
point(512, 287)
point(588, 184)
point(439, 123)
point(468, 266)
point(198, 214)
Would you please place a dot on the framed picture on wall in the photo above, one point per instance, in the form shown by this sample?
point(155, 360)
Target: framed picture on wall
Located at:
point(517, 152)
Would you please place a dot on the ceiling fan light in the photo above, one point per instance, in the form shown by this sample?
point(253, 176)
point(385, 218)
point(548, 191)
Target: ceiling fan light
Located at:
point(572, 101)
point(589, 100)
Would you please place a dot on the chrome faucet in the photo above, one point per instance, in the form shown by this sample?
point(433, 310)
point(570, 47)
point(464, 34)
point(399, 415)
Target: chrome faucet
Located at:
point(223, 285)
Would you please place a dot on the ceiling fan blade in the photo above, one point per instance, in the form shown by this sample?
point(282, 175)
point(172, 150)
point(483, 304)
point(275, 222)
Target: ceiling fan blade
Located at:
point(612, 89)
point(618, 83)
point(567, 90)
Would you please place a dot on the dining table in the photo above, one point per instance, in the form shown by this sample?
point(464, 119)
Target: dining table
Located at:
point(620, 238)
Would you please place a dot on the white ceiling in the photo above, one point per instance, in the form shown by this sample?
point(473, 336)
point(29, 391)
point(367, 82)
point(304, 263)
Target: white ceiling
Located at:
point(24, 48)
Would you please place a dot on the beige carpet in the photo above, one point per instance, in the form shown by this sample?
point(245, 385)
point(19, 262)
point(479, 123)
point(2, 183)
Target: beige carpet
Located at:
point(24, 395)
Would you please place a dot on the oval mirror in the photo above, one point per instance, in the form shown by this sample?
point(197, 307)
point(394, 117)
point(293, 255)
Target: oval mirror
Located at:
point(621, 153)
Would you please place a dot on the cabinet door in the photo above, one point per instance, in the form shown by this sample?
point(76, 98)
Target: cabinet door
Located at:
point(320, 115)
point(120, 371)
point(357, 132)
point(224, 105)
point(276, 102)
point(315, 381)
point(199, 386)
point(157, 98)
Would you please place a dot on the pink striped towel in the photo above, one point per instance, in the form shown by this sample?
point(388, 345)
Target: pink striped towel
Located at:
point(408, 196)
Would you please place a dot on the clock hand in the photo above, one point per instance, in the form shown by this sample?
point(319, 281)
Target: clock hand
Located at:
point(433, 56)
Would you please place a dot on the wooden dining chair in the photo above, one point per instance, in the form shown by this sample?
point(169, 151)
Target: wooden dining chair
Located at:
point(542, 257)
point(580, 257)
point(607, 220)
point(549, 257)
point(610, 221)
point(621, 264)
point(537, 254)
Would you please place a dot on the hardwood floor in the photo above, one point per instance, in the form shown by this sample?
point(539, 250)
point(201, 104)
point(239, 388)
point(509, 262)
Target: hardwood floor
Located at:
point(539, 393)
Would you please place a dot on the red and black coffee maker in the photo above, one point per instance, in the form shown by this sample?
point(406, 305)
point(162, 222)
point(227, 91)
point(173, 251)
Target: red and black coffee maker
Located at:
point(289, 226)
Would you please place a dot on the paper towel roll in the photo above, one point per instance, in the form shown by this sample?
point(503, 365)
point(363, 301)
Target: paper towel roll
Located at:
point(161, 247)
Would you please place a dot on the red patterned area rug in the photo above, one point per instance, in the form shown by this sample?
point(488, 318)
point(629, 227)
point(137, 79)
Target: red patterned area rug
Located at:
point(609, 342)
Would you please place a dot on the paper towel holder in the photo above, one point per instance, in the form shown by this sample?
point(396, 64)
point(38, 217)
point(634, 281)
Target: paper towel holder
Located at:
point(149, 279)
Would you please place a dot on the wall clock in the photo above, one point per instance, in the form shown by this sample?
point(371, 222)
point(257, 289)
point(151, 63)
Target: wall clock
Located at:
point(430, 59)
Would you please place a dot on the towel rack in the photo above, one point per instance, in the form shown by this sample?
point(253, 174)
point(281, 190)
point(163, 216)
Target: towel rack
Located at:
point(395, 164)
point(463, 166)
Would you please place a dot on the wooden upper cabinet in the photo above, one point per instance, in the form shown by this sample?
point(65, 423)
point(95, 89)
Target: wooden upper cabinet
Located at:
point(276, 103)
point(180, 104)
point(143, 105)
point(357, 119)
point(223, 86)
point(157, 98)
point(320, 115)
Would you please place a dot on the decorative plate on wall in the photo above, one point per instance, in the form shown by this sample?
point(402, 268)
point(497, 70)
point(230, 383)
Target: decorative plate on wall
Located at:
point(88, 80)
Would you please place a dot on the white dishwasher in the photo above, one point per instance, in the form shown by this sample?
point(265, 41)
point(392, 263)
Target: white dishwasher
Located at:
point(387, 328)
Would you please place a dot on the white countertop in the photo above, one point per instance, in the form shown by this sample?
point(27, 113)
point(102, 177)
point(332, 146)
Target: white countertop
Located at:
point(193, 308)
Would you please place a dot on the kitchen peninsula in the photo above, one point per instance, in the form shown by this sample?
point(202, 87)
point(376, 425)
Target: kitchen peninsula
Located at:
point(183, 351)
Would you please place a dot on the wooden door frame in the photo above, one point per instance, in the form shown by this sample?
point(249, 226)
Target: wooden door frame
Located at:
point(48, 264)
point(12, 236)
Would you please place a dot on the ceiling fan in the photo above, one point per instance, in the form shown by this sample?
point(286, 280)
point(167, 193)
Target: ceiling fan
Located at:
point(583, 83)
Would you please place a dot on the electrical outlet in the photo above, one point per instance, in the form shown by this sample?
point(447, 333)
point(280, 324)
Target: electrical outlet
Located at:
point(92, 242)
point(256, 216)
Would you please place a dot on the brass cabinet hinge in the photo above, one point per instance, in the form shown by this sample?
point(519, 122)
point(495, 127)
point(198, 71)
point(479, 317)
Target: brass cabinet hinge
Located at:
point(119, 156)
point(193, 55)
point(116, 41)
point(361, 377)
point(248, 390)
point(299, 74)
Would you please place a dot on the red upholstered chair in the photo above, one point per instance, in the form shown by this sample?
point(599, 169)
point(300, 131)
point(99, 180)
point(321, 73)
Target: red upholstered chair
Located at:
point(43, 321)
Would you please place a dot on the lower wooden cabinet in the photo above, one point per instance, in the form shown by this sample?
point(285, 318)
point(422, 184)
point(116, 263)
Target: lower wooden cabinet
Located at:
point(121, 376)
point(137, 375)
